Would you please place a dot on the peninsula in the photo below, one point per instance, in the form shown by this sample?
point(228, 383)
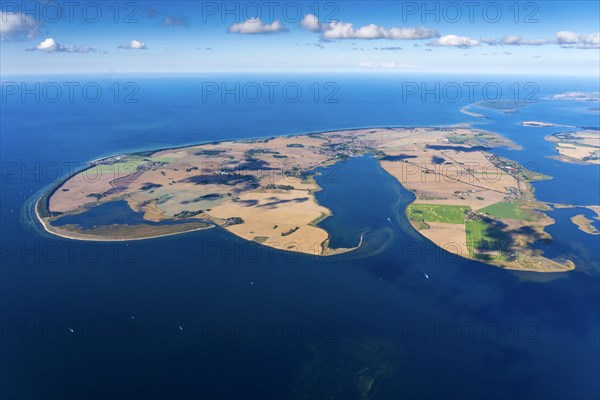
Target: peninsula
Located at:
point(468, 201)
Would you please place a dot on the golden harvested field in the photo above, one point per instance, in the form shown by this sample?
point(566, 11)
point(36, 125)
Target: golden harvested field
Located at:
point(577, 147)
point(272, 214)
point(450, 237)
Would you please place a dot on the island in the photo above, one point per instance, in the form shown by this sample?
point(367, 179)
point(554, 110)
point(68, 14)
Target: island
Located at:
point(467, 110)
point(581, 221)
point(540, 124)
point(503, 106)
point(467, 200)
point(585, 224)
point(581, 147)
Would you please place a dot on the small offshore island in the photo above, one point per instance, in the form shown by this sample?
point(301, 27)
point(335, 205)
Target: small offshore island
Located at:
point(585, 224)
point(577, 147)
point(467, 200)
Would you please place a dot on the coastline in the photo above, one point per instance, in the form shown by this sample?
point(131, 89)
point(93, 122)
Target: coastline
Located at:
point(584, 224)
point(90, 164)
point(543, 265)
point(327, 251)
point(85, 238)
point(440, 132)
point(467, 111)
point(575, 151)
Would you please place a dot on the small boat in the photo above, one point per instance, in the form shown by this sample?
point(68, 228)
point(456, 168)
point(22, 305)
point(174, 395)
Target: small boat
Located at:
point(180, 327)
point(71, 330)
point(426, 276)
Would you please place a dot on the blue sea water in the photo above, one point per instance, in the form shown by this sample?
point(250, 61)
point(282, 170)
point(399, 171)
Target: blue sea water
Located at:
point(356, 181)
point(205, 314)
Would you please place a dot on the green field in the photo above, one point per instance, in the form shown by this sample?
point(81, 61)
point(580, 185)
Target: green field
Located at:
point(116, 170)
point(482, 237)
point(437, 213)
point(462, 138)
point(507, 210)
point(162, 159)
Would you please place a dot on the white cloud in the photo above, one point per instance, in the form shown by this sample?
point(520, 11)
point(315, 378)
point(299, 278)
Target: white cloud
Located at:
point(454, 41)
point(49, 45)
point(311, 23)
point(520, 41)
point(412, 33)
point(346, 30)
point(385, 65)
point(579, 40)
point(256, 26)
point(134, 45)
point(17, 26)
point(515, 40)
point(566, 39)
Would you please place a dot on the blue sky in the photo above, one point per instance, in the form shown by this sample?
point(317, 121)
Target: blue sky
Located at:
point(544, 37)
